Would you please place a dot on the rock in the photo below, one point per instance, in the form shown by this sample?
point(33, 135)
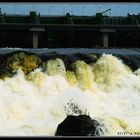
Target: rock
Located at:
point(81, 125)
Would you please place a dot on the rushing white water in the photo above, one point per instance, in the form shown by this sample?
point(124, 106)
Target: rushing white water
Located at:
point(36, 104)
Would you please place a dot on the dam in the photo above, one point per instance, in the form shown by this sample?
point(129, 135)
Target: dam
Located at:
point(42, 31)
point(54, 68)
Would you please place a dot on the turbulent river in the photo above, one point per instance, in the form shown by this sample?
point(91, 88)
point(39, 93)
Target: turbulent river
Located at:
point(108, 91)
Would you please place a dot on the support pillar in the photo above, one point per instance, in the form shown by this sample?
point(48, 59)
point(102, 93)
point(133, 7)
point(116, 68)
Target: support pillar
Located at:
point(105, 40)
point(35, 39)
point(35, 35)
point(105, 36)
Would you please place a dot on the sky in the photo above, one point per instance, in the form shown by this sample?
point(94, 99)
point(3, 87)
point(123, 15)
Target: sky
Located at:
point(117, 9)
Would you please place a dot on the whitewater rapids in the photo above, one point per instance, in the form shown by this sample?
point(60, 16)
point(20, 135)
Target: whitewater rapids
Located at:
point(35, 107)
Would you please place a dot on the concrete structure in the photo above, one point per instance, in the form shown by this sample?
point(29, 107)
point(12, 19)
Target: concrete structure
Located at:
point(69, 31)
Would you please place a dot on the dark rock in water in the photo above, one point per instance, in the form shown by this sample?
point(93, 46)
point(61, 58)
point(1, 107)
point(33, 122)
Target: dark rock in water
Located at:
point(81, 125)
point(13, 61)
point(132, 61)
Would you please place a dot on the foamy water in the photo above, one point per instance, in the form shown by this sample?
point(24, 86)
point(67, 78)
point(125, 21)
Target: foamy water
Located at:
point(35, 104)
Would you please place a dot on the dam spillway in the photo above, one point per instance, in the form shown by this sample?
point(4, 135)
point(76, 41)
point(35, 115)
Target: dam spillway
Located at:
point(97, 82)
point(70, 80)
